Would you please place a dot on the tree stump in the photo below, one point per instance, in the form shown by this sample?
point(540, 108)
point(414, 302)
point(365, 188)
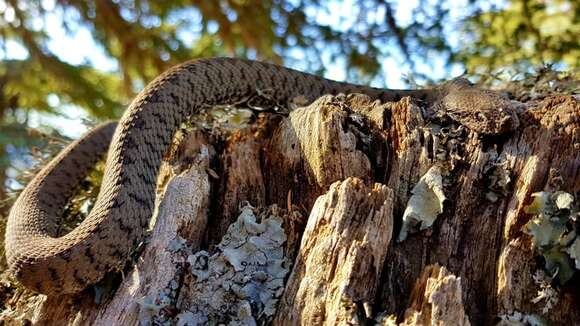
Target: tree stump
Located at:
point(352, 211)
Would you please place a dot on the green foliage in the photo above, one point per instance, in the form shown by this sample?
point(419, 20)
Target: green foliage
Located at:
point(83, 86)
point(146, 37)
point(142, 38)
point(527, 33)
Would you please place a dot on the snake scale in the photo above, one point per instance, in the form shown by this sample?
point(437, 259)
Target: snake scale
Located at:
point(103, 241)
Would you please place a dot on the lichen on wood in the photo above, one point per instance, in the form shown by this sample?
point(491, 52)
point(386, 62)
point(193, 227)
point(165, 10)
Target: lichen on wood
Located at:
point(241, 282)
point(341, 173)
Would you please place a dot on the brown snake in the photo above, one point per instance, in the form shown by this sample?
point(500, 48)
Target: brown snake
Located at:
point(104, 240)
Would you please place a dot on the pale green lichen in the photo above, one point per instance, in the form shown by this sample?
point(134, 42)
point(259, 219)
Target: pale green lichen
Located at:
point(229, 117)
point(545, 232)
point(425, 204)
point(177, 244)
point(554, 233)
point(540, 204)
point(240, 284)
point(574, 252)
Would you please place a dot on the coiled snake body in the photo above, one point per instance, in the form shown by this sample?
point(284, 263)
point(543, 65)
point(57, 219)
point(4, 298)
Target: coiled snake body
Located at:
point(116, 224)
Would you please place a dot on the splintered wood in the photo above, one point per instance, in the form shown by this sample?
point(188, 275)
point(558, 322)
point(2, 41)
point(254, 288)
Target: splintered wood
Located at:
point(436, 299)
point(341, 256)
point(296, 221)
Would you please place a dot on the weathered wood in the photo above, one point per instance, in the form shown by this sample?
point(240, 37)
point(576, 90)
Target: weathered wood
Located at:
point(312, 149)
point(436, 299)
point(352, 164)
point(341, 256)
point(182, 214)
point(154, 282)
point(241, 180)
point(470, 235)
point(544, 155)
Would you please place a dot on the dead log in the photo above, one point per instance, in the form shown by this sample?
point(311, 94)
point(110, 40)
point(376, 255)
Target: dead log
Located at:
point(350, 211)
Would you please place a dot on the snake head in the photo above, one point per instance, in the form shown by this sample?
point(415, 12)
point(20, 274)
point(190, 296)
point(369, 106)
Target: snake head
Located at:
point(483, 111)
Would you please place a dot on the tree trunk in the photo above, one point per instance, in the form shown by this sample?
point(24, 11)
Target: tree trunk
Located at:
point(348, 211)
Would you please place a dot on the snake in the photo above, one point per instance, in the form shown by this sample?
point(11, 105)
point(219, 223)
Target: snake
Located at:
point(46, 262)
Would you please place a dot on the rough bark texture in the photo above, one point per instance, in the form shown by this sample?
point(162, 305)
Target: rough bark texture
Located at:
point(341, 256)
point(436, 299)
point(337, 176)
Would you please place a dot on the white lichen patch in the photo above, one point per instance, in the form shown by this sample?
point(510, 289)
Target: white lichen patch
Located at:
point(574, 252)
point(425, 204)
point(151, 306)
point(240, 284)
point(563, 200)
point(189, 318)
point(519, 319)
point(547, 295)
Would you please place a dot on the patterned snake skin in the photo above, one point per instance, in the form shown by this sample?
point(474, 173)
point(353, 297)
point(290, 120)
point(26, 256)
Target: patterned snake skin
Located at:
point(104, 240)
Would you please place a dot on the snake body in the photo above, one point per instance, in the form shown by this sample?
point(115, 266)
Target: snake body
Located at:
point(103, 241)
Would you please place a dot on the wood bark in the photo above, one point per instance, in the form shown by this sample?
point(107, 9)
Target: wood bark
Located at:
point(337, 176)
